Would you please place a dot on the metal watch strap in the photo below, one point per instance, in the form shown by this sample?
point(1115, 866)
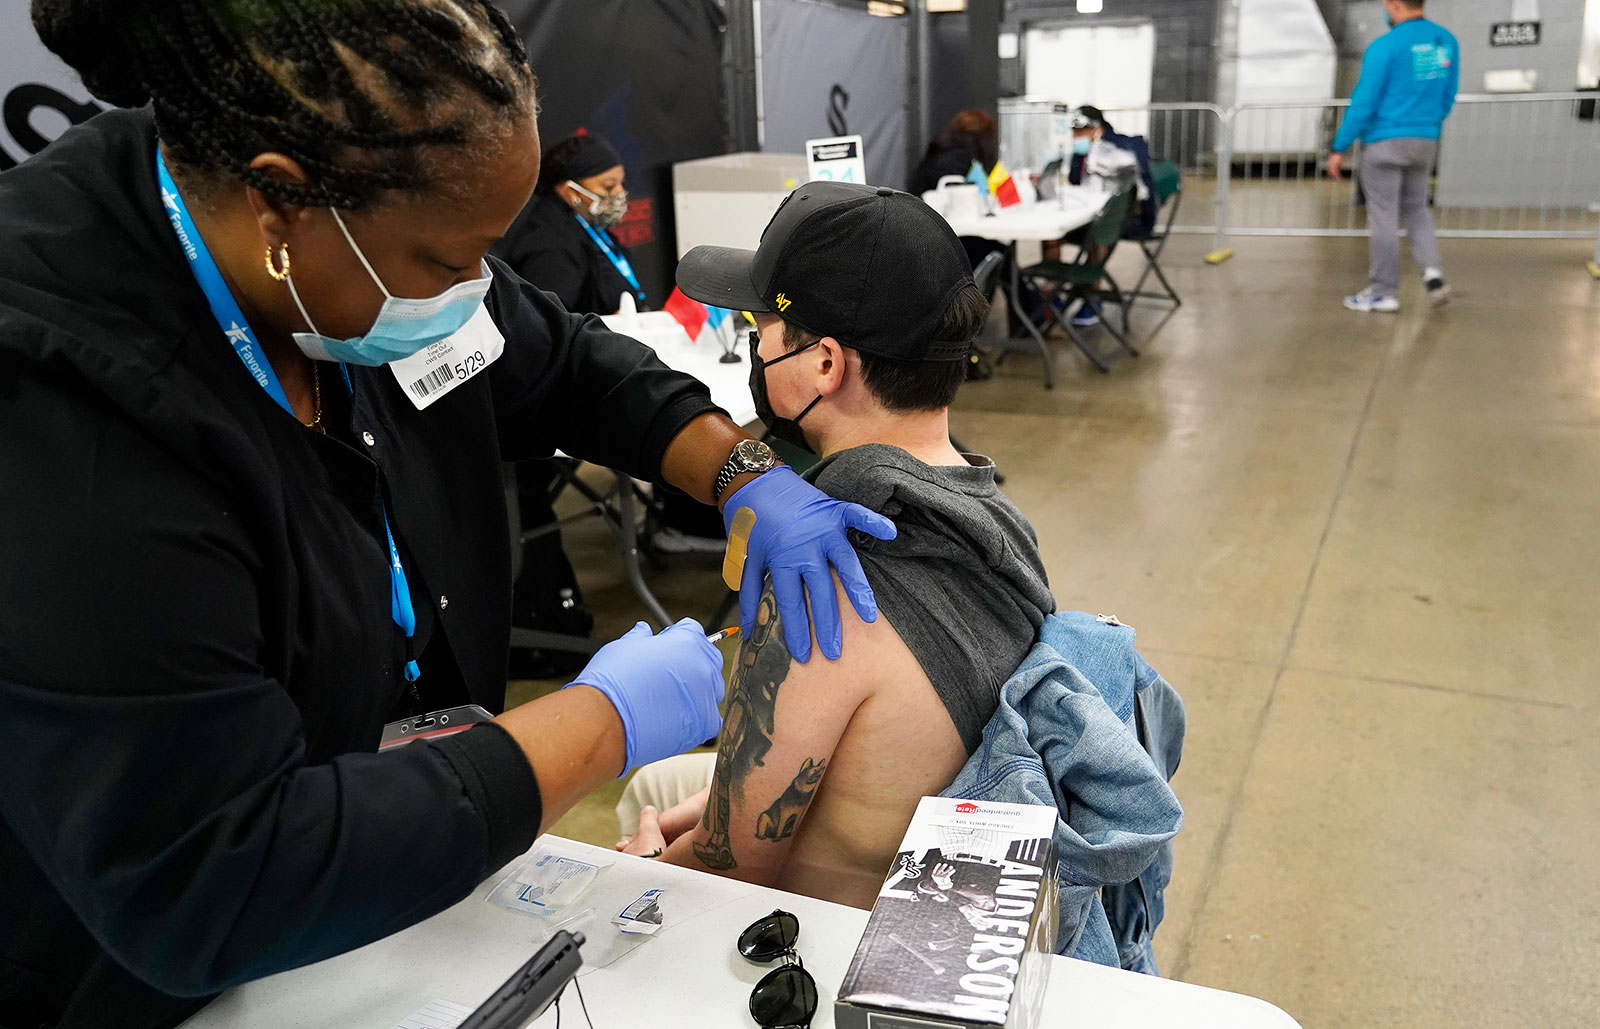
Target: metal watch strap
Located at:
point(725, 478)
point(732, 469)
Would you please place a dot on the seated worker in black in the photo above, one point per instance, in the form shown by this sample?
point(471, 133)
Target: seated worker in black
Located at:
point(561, 243)
point(865, 306)
point(972, 136)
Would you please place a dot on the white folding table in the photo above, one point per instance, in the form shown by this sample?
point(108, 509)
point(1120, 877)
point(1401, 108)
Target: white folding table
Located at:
point(689, 975)
point(729, 382)
point(1038, 221)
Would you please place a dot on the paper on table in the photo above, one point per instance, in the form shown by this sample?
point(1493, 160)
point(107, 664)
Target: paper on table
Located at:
point(436, 1014)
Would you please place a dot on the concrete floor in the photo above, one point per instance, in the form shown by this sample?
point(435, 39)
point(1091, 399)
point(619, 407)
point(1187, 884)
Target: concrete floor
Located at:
point(1361, 548)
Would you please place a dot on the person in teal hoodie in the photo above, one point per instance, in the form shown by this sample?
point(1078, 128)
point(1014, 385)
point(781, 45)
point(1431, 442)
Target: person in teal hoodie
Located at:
point(1407, 89)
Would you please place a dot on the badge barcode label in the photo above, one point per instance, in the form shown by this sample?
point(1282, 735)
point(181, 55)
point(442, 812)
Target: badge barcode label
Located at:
point(437, 369)
point(432, 381)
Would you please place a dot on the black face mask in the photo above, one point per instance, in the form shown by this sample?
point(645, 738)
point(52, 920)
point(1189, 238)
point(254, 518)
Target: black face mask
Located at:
point(785, 429)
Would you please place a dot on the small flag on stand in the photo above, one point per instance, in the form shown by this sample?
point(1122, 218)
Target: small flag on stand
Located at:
point(691, 314)
point(698, 320)
point(976, 176)
point(1002, 186)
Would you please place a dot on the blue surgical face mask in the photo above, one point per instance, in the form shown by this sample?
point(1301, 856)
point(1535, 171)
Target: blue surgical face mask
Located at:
point(403, 326)
point(1081, 145)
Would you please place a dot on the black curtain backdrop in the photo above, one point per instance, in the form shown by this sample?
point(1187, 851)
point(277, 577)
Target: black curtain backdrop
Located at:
point(647, 75)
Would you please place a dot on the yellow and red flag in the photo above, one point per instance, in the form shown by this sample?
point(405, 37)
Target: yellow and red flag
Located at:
point(1000, 184)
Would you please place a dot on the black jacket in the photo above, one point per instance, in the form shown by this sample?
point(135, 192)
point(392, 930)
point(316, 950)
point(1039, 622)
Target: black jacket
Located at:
point(547, 246)
point(196, 650)
point(942, 159)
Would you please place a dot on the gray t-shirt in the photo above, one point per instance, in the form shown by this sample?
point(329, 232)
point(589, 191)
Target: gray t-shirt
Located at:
point(962, 583)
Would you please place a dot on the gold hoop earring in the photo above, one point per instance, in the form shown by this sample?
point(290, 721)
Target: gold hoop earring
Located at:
point(283, 258)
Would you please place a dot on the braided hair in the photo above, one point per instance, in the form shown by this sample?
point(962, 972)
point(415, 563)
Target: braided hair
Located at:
point(361, 93)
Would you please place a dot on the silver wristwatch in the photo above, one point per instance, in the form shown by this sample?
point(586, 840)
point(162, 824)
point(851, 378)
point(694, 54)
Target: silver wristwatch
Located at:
point(748, 456)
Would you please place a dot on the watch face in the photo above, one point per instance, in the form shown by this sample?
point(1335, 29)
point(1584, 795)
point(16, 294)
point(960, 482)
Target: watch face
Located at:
point(755, 455)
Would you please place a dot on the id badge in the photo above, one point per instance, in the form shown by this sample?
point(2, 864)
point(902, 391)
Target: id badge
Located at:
point(435, 370)
point(432, 726)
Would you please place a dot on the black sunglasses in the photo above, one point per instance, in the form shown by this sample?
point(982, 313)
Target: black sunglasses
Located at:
point(786, 997)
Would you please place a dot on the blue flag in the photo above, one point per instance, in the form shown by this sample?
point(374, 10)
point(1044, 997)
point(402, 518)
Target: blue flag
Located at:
point(977, 177)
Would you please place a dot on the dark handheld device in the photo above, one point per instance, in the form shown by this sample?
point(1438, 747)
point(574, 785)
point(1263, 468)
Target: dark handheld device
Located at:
point(531, 988)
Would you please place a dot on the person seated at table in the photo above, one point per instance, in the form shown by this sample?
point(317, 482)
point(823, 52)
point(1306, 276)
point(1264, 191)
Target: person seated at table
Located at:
point(1108, 162)
point(562, 243)
point(865, 306)
point(972, 138)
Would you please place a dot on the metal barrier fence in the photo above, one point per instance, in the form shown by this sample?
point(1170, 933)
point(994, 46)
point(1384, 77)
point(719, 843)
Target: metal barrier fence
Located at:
point(1519, 166)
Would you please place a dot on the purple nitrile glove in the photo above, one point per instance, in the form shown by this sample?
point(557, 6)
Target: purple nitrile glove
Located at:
point(665, 687)
point(799, 532)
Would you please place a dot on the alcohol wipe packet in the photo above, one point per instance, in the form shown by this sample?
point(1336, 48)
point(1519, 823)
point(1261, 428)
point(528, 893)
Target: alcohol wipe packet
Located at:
point(549, 882)
point(643, 915)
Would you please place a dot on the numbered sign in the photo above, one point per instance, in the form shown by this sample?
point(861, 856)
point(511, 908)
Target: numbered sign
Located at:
point(1514, 33)
point(840, 159)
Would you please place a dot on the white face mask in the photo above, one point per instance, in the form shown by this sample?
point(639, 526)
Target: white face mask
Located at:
point(403, 327)
point(607, 210)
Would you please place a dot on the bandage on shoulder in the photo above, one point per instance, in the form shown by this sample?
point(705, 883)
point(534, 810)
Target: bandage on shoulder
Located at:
point(744, 520)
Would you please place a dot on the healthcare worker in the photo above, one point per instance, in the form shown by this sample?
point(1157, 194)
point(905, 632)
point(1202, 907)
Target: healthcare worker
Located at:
point(562, 240)
point(256, 384)
point(1106, 162)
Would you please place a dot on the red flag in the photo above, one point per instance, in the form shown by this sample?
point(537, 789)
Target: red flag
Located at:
point(1002, 186)
point(691, 314)
point(1007, 193)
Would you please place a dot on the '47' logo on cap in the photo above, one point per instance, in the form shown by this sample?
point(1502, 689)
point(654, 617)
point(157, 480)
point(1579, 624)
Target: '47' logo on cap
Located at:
point(782, 301)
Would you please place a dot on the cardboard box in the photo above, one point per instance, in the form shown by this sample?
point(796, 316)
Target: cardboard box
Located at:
point(964, 923)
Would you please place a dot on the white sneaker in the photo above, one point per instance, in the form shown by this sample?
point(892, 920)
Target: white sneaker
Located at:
point(1435, 285)
point(1370, 300)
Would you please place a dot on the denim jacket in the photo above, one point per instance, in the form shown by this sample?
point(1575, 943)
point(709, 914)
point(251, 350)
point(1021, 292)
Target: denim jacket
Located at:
point(1086, 726)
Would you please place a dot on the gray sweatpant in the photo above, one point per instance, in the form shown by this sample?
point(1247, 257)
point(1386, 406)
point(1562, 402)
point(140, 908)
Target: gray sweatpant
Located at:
point(1394, 175)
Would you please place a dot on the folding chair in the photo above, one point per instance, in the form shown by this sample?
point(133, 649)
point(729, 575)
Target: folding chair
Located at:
point(987, 274)
point(1062, 283)
point(1169, 196)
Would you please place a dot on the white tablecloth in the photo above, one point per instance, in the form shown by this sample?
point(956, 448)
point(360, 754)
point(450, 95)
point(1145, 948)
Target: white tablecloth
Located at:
point(1040, 221)
point(729, 383)
point(689, 975)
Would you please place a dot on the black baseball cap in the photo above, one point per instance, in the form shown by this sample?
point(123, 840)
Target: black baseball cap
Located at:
point(870, 266)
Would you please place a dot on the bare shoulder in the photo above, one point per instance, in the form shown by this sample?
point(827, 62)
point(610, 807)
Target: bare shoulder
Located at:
point(873, 657)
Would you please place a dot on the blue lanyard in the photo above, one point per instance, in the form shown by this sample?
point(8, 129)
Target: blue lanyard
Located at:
point(223, 307)
point(400, 608)
point(232, 322)
point(624, 268)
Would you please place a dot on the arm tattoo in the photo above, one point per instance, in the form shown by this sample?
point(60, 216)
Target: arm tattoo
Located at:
point(747, 729)
point(778, 822)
